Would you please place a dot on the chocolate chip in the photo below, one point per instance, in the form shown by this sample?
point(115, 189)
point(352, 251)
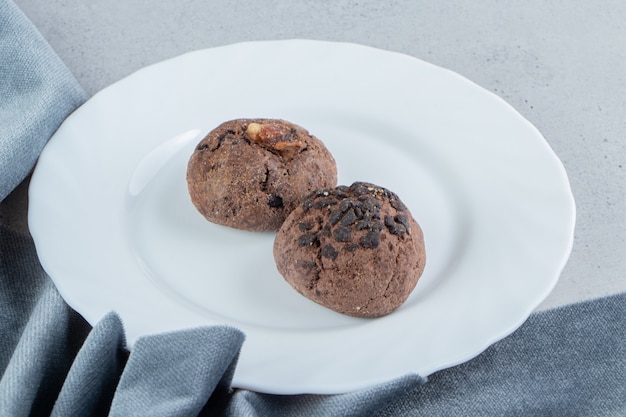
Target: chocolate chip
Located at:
point(326, 230)
point(275, 201)
point(334, 217)
point(371, 240)
point(404, 221)
point(396, 203)
point(308, 240)
point(397, 229)
point(360, 188)
point(394, 227)
point(389, 222)
point(322, 193)
point(329, 252)
point(303, 226)
point(363, 224)
point(351, 247)
point(369, 203)
point(204, 145)
point(346, 205)
point(309, 264)
point(377, 225)
point(370, 222)
point(326, 202)
point(307, 203)
point(358, 204)
point(349, 218)
point(342, 234)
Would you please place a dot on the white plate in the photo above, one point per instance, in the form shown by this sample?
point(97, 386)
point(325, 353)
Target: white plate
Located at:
point(115, 229)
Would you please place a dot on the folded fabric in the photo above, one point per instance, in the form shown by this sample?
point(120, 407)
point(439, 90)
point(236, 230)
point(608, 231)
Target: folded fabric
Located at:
point(37, 92)
point(570, 361)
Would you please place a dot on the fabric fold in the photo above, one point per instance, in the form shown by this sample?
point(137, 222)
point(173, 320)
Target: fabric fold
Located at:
point(49, 339)
point(37, 92)
point(92, 379)
point(567, 361)
point(175, 374)
point(366, 402)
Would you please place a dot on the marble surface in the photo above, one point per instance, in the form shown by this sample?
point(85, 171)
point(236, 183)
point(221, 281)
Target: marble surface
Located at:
point(561, 65)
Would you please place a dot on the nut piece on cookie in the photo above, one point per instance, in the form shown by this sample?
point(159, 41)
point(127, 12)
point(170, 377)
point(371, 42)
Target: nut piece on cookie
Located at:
point(356, 250)
point(275, 136)
point(249, 174)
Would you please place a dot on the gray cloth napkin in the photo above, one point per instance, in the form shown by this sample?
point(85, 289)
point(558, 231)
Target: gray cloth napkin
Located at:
point(36, 94)
point(566, 362)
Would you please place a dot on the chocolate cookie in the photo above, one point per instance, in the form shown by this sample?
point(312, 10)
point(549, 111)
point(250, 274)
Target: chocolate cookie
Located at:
point(356, 250)
point(251, 173)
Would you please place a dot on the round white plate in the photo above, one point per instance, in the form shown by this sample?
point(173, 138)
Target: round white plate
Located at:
point(115, 229)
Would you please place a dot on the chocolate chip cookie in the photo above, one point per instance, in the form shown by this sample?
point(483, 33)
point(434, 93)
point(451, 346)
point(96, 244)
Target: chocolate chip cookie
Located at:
point(250, 174)
point(356, 250)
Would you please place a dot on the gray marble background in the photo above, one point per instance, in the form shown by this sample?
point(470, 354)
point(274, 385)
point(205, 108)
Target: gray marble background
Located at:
point(560, 64)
